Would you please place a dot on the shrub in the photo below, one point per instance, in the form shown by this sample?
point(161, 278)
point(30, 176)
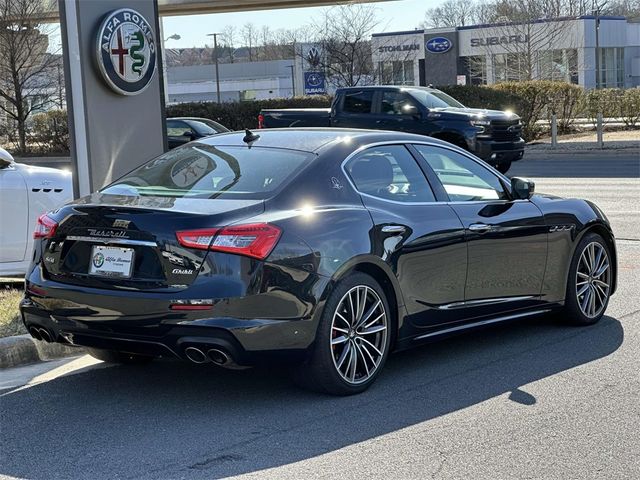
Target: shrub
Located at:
point(566, 100)
point(50, 131)
point(240, 115)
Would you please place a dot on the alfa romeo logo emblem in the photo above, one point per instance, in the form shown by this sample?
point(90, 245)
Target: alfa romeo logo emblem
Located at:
point(98, 260)
point(126, 51)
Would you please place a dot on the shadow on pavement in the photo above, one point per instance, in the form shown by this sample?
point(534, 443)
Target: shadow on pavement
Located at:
point(173, 420)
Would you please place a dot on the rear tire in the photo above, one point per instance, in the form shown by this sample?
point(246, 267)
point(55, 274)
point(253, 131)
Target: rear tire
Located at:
point(352, 341)
point(113, 356)
point(589, 282)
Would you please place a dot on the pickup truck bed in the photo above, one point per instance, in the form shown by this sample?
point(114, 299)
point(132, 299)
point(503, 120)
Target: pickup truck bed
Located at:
point(297, 117)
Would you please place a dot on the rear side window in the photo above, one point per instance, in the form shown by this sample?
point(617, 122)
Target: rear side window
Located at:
point(358, 102)
point(206, 171)
point(391, 173)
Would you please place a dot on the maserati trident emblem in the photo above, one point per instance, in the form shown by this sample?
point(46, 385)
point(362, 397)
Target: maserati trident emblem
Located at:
point(121, 223)
point(126, 51)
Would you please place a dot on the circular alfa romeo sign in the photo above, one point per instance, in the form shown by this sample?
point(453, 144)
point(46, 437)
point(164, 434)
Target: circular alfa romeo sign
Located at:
point(126, 51)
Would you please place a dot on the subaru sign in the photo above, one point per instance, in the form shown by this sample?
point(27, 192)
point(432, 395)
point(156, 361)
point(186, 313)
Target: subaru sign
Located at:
point(314, 83)
point(438, 45)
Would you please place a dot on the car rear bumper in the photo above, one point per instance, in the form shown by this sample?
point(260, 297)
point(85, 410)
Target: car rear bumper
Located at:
point(145, 324)
point(499, 152)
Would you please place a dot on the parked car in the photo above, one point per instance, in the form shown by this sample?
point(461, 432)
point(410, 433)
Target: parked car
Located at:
point(492, 135)
point(181, 130)
point(324, 248)
point(25, 193)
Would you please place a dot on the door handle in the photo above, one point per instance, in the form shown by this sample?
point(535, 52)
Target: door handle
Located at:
point(480, 227)
point(393, 229)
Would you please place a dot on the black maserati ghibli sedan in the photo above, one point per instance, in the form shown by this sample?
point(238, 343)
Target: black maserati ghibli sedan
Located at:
point(323, 249)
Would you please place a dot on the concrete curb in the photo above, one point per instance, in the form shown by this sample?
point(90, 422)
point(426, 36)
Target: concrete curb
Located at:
point(22, 350)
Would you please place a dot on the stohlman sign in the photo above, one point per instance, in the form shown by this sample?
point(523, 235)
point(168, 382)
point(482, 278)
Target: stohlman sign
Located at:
point(501, 40)
point(399, 48)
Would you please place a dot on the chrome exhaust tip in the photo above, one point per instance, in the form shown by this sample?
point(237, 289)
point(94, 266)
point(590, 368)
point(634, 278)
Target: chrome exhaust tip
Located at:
point(35, 333)
point(44, 334)
point(195, 355)
point(218, 356)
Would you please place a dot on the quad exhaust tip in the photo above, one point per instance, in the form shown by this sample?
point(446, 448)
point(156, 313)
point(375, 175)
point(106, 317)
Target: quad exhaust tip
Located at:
point(35, 333)
point(195, 355)
point(44, 334)
point(218, 356)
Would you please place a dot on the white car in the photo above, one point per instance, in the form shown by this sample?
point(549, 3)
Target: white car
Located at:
point(26, 192)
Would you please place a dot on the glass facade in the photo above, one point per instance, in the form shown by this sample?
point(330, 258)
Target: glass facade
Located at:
point(397, 72)
point(610, 73)
point(558, 65)
point(477, 69)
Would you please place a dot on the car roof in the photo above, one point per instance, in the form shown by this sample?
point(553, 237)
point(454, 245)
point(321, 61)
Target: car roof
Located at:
point(316, 139)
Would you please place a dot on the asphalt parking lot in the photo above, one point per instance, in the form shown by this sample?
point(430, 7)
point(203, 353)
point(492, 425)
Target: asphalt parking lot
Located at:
point(533, 399)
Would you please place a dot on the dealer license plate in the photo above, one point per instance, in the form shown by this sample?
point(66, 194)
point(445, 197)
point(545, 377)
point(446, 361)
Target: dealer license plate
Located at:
point(111, 261)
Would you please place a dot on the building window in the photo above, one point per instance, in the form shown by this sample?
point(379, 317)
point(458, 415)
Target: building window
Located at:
point(397, 72)
point(477, 69)
point(610, 72)
point(558, 65)
point(509, 67)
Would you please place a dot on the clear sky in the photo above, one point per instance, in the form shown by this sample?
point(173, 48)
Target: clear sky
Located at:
point(393, 15)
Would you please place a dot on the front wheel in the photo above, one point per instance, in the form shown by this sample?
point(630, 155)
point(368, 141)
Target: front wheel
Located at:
point(353, 338)
point(112, 356)
point(589, 283)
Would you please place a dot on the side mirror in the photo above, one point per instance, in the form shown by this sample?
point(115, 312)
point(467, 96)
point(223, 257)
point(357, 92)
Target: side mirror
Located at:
point(411, 110)
point(5, 158)
point(189, 134)
point(522, 188)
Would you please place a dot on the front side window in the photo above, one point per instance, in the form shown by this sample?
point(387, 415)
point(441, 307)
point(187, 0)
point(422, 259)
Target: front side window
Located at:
point(397, 103)
point(358, 102)
point(391, 173)
point(198, 170)
point(463, 179)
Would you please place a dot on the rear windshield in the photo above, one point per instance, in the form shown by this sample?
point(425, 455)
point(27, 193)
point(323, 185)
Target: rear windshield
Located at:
point(204, 171)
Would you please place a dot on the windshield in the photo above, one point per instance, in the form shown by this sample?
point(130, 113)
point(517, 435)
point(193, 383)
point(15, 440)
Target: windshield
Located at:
point(204, 127)
point(204, 171)
point(435, 99)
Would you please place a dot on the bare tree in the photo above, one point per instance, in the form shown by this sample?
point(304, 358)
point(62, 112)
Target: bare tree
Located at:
point(343, 36)
point(249, 35)
point(28, 74)
point(452, 13)
point(229, 38)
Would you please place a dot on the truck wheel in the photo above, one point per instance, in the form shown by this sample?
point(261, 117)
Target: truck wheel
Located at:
point(504, 166)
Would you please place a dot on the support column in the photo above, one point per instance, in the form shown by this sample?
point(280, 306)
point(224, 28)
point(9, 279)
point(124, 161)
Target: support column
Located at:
point(110, 133)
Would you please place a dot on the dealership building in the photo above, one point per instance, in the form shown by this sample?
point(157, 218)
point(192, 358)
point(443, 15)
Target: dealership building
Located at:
point(554, 49)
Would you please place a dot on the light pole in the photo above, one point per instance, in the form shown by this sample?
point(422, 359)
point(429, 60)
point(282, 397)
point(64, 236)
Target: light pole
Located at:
point(598, 8)
point(215, 57)
point(293, 80)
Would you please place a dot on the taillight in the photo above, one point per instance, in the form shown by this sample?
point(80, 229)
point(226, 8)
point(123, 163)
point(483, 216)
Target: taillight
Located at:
point(253, 240)
point(261, 121)
point(45, 227)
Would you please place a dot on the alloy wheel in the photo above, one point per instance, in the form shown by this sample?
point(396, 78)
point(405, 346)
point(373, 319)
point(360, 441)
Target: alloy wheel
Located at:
point(593, 279)
point(359, 334)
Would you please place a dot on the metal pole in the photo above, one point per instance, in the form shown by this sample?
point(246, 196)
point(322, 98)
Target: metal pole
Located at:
point(599, 131)
point(215, 51)
point(597, 47)
point(554, 130)
point(293, 81)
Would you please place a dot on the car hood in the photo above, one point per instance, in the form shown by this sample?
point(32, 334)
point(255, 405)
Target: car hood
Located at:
point(475, 113)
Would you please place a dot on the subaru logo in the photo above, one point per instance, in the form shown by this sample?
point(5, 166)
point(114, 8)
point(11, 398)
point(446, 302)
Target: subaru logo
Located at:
point(439, 45)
